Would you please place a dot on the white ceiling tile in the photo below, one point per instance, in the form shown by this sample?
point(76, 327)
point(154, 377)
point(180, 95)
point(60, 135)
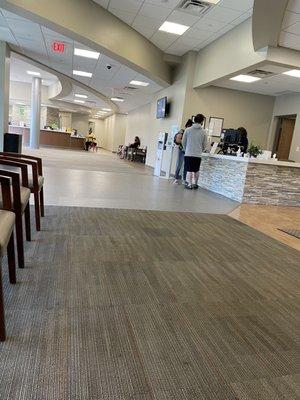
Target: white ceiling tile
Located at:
point(209, 25)
point(163, 39)
point(294, 5)
point(7, 36)
point(171, 4)
point(102, 3)
point(295, 29)
point(8, 14)
point(290, 18)
point(178, 49)
point(190, 42)
point(147, 22)
point(3, 22)
point(131, 6)
point(147, 32)
point(223, 14)
point(240, 5)
point(152, 11)
point(198, 33)
point(54, 36)
point(241, 19)
point(289, 40)
point(125, 16)
point(183, 18)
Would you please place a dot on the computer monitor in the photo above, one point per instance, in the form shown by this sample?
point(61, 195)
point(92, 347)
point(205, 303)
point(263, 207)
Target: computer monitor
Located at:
point(231, 136)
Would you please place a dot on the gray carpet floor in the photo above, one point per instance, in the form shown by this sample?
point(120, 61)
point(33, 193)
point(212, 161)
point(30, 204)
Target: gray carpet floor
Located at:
point(144, 305)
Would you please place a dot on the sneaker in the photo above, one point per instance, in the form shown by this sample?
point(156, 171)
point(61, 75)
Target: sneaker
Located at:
point(195, 186)
point(189, 187)
point(176, 182)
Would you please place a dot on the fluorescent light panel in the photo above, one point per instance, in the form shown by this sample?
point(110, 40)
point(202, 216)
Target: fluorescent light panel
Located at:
point(33, 73)
point(245, 78)
point(213, 1)
point(86, 53)
point(117, 99)
point(294, 72)
point(172, 27)
point(106, 109)
point(83, 73)
point(79, 101)
point(81, 96)
point(139, 83)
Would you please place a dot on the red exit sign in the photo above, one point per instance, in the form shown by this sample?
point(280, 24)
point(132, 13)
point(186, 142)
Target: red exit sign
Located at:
point(58, 47)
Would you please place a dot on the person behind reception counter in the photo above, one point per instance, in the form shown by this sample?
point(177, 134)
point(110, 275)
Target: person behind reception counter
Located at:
point(194, 143)
point(243, 143)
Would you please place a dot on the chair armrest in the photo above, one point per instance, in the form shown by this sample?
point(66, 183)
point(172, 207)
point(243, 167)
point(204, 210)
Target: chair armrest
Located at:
point(22, 166)
point(6, 193)
point(26, 157)
point(14, 180)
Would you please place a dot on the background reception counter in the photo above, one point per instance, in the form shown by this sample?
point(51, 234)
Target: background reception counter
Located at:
point(51, 138)
point(250, 180)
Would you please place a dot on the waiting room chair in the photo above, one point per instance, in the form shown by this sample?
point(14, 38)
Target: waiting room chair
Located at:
point(20, 201)
point(35, 181)
point(7, 223)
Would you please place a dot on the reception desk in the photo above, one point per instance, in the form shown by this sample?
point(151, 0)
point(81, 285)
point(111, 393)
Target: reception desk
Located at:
point(251, 181)
point(51, 138)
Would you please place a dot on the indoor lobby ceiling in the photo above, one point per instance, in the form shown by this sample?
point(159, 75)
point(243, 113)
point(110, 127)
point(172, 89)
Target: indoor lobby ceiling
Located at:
point(35, 41)
point(146, 17)
point(290, 34)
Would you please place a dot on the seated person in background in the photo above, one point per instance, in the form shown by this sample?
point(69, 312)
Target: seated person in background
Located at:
point(90, 140)
point(244, 143)
point(136, 143)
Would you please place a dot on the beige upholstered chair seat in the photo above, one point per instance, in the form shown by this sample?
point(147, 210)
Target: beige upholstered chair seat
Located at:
point(40, 180)
point(25, 195)
point(7, 222)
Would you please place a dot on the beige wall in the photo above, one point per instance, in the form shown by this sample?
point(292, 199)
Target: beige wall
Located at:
point(288, 105)
point(80, 122)
point(253, 111)
point(227, 55)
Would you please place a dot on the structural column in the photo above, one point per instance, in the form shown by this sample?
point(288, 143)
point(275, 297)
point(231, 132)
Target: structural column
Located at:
point(35, 116)
point(4, 90)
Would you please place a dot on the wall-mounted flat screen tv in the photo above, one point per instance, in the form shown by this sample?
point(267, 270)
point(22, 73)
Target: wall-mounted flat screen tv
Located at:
point(162, 108)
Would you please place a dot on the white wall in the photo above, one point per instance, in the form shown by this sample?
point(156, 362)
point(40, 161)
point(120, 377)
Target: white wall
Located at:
point(288, 105)
point(114, 131)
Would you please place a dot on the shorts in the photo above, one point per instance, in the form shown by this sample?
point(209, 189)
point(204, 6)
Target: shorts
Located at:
point(192, 164)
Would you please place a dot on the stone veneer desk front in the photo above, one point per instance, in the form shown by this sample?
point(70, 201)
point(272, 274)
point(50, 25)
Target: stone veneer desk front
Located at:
point(251, 181)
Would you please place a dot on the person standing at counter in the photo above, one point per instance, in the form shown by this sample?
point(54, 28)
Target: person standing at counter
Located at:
point(244, 143)
point(180, 160)
point(194, 143)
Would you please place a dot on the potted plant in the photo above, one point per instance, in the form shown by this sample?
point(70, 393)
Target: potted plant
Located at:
point(254, 150)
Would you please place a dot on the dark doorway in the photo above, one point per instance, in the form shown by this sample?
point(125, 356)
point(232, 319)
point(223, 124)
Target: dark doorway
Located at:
point(284, 136)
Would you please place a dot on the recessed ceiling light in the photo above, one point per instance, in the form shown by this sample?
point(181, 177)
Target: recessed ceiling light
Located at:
point(139, 83)
point(86, 53)
point(213, 1)
point(79, 101)
point(106, 109)
point(83, 73)
point(33, 73)
point(82, 96)
point(172, 27)
point(116, 99)
point(245, 78)
point(294, 72)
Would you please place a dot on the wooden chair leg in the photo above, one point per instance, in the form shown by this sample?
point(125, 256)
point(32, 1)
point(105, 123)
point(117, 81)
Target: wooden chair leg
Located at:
point(20, 240)
point(37, 211)
point(27, 223)
point(2, 317)
point(11, 260)
point(42, 202)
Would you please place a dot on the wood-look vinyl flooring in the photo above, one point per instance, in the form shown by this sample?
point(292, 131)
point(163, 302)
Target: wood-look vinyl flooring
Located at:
point(147, 305)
